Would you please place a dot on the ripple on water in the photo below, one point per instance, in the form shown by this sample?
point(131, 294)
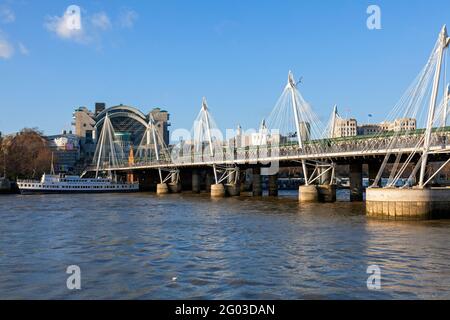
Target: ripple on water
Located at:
point(139, 246)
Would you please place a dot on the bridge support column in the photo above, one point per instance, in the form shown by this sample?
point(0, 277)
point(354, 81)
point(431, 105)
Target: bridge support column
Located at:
point(175, 184)
point(408, 204)
point(209, 180)
point(243, 180)
point(273, 185)
point(217, 190)
point(308, 193)
point(374, 167)
point(233, 185)
point(257, 183)
point(195, 181)
point(162, 188)
point(326, 190)
point(246, 182)
point(326, 177)
point(356, 185)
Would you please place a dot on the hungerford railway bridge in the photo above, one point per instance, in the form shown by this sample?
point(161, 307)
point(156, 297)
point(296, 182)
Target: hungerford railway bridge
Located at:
point(407, 160)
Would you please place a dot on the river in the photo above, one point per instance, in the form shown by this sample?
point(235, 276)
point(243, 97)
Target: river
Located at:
point(184, 246)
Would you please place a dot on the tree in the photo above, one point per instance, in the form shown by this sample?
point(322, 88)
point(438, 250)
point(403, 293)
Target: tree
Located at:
point(28, 154)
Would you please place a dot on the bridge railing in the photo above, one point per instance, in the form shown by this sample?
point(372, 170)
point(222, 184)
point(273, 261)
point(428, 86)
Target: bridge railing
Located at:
point(317, 148)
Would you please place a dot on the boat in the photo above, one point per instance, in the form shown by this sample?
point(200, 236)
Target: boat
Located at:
point(61, 183)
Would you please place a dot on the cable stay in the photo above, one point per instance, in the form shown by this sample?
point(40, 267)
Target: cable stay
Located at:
point(109, 151)
point(423, 105)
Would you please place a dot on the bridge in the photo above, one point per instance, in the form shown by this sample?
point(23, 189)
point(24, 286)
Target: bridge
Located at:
point(293, 136)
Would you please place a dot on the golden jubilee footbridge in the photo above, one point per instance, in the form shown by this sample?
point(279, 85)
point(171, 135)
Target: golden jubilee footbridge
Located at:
point(408, 157)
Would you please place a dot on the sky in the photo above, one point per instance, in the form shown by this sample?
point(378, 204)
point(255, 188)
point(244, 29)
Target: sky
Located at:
point(236, 53)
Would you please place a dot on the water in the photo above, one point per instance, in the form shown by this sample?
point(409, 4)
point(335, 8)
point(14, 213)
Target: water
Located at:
point(140, 246)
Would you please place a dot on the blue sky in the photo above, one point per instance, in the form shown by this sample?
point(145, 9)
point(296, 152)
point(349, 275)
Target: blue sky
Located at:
point(236, 53)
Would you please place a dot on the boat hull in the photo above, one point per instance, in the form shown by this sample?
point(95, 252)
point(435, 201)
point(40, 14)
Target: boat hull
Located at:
point(30, 191)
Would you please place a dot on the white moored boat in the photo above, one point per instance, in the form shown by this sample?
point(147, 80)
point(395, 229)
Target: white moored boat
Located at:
point(74, 184)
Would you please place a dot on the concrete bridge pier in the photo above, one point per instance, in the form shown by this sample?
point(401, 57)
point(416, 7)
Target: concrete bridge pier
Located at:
point(326, 190)
point(356, 182)
point(408, 204)
point(257, 183)
point(273, 185)
point(195, 181)
point(175, 184)
point(162, 188)
point(233, 185)
point(308, 193)
point(217, 190)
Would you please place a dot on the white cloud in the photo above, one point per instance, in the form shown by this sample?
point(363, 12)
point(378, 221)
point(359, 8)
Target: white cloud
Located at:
point(89, 31)
point(62, 28)
point(6, 48)
point(23, 49)
point(7, 15)
point(101, 21)
point(128, 18)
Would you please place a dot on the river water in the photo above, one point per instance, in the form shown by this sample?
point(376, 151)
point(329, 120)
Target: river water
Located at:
point(183, 246)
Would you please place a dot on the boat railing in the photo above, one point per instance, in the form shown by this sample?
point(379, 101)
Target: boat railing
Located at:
point(27, 181)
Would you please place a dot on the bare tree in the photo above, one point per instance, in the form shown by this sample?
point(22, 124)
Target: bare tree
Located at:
point(28, 154)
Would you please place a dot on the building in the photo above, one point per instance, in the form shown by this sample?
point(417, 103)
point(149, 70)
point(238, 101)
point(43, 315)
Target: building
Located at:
point(161, 117)
point(340, 127)
point(128, 122)
point(403, 124)
point(345, 128)
point(84, 127)
point(66, 151)
point(84, 123)
point(369, 129)
point(99, 108)
point(398, 125)
point(305, 130)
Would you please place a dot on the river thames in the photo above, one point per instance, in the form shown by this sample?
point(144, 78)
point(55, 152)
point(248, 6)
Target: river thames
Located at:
point(184, 246)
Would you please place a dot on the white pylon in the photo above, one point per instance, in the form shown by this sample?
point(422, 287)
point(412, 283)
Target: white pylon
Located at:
point(106, 133)
point(444, 41)
point(334, 116)
point(205, 116)
point(292, 86)
point(446, 101)
point(152, 127)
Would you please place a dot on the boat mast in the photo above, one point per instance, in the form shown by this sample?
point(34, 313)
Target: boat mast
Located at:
point(52, 168)
point(4, 164)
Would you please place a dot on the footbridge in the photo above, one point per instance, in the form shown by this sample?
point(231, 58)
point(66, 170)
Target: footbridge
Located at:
point(410, 149)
